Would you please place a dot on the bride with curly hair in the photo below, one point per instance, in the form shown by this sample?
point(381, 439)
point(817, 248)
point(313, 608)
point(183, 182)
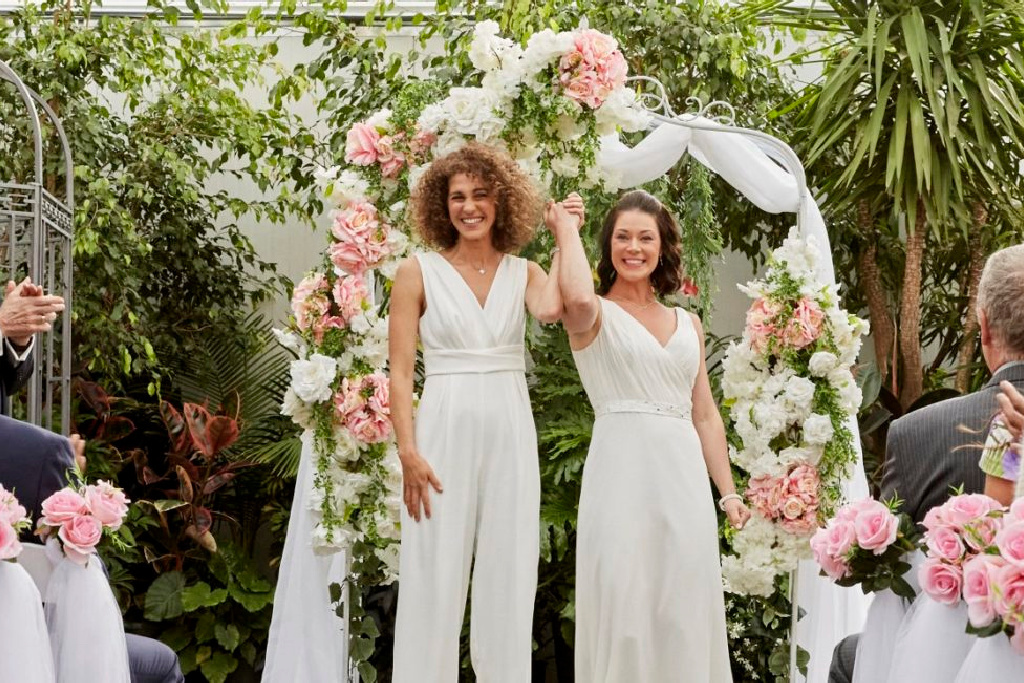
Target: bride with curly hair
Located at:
point(471, 480)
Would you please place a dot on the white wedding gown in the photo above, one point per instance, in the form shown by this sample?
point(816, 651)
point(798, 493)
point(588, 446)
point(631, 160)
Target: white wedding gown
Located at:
point(649, 602)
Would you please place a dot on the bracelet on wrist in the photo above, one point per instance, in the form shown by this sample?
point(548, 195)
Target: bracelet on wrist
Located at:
point(726, 498)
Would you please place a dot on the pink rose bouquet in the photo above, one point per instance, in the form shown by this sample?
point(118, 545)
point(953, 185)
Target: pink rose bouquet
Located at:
point(81, 516)
point(13, 520)
point(791, 499)
point(955, 533)
point(989, 576)
point(865, 544)
point(362, 238)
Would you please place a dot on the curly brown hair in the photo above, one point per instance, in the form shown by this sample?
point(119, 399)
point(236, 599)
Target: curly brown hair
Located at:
point(668, 275)
point(517, 200)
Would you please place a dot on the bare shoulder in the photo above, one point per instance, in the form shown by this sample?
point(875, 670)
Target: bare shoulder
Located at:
point(698, 326)
point(533, 269)
point(408, 284)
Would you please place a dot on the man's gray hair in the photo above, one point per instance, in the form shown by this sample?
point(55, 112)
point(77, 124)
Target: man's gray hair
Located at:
point(1001, 297)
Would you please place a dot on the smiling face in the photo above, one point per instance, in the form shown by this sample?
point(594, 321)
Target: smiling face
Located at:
point(635, 245)
point(471, 206)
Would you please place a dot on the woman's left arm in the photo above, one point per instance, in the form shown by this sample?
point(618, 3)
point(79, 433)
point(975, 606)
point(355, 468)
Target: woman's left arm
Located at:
point(711, 430)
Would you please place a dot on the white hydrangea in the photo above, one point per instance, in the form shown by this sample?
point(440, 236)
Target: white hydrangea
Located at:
point(312, 378)
point(621, 110)
point(289, 340)
point(542, 50)
point(489, 52)
point(298, 410)
point(818, 429)
point(822, 363)
point(566, 166)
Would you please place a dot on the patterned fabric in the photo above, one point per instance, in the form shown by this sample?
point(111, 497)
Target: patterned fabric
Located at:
point(1001, 456)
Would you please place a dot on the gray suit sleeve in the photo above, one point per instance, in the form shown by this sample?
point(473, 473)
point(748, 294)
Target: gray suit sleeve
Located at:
point(893, 484)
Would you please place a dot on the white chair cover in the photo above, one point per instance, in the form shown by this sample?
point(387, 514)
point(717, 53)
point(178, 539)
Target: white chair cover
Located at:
point(25, 654)
point(878, 639)
point(86, 629)
point(932, 643)
point(992, 659)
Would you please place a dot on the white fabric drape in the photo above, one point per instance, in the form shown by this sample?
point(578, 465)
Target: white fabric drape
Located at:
point(307, 640)
point(84, 621)
point(747, 163)
point(25, 654)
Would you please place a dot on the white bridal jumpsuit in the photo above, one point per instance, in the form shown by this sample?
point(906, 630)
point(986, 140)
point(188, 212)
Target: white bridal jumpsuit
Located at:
point(475, 428)
point(649, 603)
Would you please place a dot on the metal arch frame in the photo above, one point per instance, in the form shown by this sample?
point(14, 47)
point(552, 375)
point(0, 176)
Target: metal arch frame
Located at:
point(658, 106)
point(40, 404)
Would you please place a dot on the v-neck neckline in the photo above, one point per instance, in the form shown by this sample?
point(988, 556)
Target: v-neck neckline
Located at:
point(465, 284)
point(671, 337)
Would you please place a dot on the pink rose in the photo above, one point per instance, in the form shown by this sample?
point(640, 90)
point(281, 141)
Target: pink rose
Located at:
point(358, 219)
point(793, 508)
point(369, 427)
point(977, 589)
point(876, 526)
point(940, 581)
point(945, 543)
point(804, 479)
point(349, 295)
point(63, 506)
point(309, 301)
point(805, 325)
point(835, 567)
point(107, 503)
point(361, 145)
point(1008, 582)
point(935, 517)
point(968, 507)
point(10, 546)
point(390, 159)
point(802, 525)
point(761, 323)
point(349, 399)
point(981, 533)
point(12, 512)
point(80, 536)
point(1010, 541)
point(379, 400)
point(421, 142)
point(840, 538)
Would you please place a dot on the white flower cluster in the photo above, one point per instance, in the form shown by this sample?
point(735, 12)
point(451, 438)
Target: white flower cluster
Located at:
point(773, 403)
point(482, 113)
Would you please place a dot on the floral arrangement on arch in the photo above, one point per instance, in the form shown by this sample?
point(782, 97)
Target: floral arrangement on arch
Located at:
point(546, 104)
point(80, 516)
point(790, 391)
point(13, 520)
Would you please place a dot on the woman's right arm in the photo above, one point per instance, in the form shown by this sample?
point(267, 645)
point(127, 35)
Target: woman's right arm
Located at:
point(407, 301)
point(575, 279)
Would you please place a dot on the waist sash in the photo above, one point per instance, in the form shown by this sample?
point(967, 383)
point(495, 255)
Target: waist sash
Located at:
point(474, 361)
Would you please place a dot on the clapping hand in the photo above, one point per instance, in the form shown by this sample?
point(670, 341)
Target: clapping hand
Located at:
point(25, 310)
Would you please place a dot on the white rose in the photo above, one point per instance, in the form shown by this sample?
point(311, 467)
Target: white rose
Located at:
point(345, 362)
point(566, 166)
point(800, 393)
point(621, 109)
point(312, 379)
point(346, 446)
point(483, 50)
point(390, 557)
point(543, 48)
point(349, 187)
point(531, 166)
point(297, 409)
point(447, 143)
point(503, 82)
point(359, 324)
point(433, 118)
point(822, 363)
point(349, 486)
point(800, 454)
point(467, 108)
point(818, 429)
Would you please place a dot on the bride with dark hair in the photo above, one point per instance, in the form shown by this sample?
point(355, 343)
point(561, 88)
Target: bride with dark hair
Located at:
point(649, 602)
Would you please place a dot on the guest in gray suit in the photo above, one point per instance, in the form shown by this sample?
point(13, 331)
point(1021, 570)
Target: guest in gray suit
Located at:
point(937, 447)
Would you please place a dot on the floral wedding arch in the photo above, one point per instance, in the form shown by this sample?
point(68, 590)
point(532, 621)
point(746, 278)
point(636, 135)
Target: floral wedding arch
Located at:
point(557, 107)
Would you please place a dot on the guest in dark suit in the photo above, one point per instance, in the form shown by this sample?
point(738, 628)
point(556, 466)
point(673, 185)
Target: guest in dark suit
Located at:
point(25, 311)
point(34, 464)
point(937, 447)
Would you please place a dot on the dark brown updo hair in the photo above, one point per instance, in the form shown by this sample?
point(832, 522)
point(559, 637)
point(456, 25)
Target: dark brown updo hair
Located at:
point(667, 277)
point(517, 201)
